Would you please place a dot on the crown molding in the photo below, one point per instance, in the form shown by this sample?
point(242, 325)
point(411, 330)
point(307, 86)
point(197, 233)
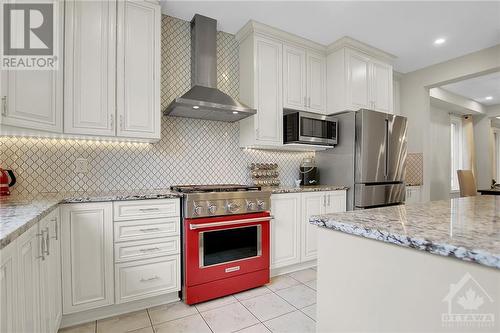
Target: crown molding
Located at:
point(360, 46)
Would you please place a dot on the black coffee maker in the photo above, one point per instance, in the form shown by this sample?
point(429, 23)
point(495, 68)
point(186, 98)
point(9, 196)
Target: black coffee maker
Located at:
point(309, 173)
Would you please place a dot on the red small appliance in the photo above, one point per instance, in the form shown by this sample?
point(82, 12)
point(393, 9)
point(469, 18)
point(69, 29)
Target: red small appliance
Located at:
point(7, 180)
point(226, 242)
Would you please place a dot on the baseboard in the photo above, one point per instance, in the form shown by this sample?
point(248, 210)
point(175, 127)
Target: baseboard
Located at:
point(116, 309)
point(293, 268)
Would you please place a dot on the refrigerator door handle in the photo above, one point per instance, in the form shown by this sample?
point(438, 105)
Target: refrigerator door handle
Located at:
point(387, 150)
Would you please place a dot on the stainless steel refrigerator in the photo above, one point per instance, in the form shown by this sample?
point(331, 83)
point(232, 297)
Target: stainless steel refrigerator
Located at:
point(370, 158)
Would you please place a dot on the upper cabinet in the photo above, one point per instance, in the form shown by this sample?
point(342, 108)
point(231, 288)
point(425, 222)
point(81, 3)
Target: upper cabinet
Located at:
point(358, 80)
point(304, 80)
point(33, 99)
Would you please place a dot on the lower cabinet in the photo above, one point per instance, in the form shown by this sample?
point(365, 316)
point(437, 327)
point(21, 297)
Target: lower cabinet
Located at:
point(87, 256)
point(413, 194)
point(293, 238)
point(8, 280)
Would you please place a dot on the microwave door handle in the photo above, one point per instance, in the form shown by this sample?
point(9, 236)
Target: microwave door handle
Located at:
point(228, 223)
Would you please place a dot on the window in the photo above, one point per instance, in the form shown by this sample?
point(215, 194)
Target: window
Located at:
point(496, 134)
point(456, 143)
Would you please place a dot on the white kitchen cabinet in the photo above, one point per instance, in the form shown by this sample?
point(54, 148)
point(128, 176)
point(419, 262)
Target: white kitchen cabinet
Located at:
point(304, 80)
point(29, 255)
point(261, 67)
point(87, 256)
point(90, 68)
point(33, 99)
point(285, 230)
point(138, 69)
point(8, 281)
point(413, 194)
point(356, 80)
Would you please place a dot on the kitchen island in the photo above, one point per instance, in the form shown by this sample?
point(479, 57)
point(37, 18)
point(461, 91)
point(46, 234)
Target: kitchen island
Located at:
point(423, 267)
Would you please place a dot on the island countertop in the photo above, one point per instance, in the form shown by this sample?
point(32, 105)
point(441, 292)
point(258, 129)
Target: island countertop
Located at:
point(464, 228)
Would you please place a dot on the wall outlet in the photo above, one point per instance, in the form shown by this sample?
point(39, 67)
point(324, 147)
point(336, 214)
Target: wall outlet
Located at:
point(81, 165)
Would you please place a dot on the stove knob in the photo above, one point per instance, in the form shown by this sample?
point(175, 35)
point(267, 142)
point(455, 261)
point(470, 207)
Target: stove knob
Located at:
point(232, 207)
point(261, 204)
point(251, 205)
point(198, 210)
point(212, 208)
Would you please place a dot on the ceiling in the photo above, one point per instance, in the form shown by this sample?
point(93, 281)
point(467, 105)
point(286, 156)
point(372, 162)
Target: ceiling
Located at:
point(405, 29)
point(478, 88)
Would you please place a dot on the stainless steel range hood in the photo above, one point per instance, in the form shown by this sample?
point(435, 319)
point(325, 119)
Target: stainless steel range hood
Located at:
point(204, 100)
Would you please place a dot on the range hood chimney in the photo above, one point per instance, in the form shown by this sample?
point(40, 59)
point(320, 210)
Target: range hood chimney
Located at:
point(204, 100)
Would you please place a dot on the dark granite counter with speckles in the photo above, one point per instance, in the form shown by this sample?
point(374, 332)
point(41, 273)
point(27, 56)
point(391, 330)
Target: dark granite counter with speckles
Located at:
point(20, 212)
point(464, 228)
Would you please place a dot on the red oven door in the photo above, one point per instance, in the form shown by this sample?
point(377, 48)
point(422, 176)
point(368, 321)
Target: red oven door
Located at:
point(224, 247)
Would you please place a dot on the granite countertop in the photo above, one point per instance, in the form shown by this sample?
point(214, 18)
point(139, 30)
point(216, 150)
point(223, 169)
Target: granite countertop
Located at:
point(316, 188)
point(20, 212)
point(464, 228)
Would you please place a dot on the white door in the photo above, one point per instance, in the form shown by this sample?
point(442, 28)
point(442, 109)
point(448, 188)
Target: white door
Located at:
point(358, 80)
point(285, 230)
point(89, 70)
point(138, 69)
point(313, 203)
point(8, 281)
point(87, 256)
point(34, 98)
point(382, 89)
point(269, 103)
point(29, 255)
point(316, 83)
point(294, 78)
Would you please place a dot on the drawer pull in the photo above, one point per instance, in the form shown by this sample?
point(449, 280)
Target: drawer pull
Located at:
point(144, 210)
point(149, 229)
point(150, 279)
point(150, 249)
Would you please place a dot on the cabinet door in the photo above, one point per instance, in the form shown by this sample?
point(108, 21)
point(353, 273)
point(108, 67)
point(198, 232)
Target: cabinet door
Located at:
point(269, 95)
point(8, 280)
point(312, 203)
point(87, 256)
point(382, 90)
point(358, 80)
point(29, 255)
point(138, 69)
point(54, 264)
point(285, 230)
point(34, 98)
point(335, 202)
point(89, 71)
point(45, 290)
point(316, 83)
point(294, 78)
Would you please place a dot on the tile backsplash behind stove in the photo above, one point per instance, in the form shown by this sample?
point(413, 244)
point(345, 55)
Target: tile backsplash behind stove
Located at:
point(190, 150)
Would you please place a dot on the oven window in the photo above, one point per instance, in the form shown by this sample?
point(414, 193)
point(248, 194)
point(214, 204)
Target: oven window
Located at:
point(317, 128)
point(220, 246)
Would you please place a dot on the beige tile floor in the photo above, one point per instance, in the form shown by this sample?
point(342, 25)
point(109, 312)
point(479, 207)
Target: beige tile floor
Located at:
point(286, 304)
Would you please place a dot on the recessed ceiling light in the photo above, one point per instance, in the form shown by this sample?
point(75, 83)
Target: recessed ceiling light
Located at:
point(196, 107)
point(235, 112)
point(488, 98)
point(439, 41)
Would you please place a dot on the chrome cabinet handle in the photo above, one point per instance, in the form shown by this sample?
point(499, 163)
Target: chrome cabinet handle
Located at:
point(329, 198)
point(152, 249)
point(150, 279)
point(56, 236)
point(47, 241)
point(149, 209)
point(4, 105)
point(111, 121)
point(42, 246)
point(224, 223)
point(305, 101)
point(149, 229)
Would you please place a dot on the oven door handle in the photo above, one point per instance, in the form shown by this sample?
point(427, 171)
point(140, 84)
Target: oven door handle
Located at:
point(224, 223)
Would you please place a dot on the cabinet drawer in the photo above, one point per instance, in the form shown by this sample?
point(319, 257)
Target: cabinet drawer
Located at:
point(145, 249)
point(146, 229)
point(146, 278)
point(145, 209)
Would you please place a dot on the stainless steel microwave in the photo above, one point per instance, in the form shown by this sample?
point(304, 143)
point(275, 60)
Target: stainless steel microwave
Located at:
point(309, 128)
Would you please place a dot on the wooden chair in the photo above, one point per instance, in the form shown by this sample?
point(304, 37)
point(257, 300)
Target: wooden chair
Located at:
point(467, 183)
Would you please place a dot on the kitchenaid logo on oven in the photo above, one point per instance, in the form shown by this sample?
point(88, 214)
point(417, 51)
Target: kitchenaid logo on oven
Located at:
point(469, 305)
point(29, 40)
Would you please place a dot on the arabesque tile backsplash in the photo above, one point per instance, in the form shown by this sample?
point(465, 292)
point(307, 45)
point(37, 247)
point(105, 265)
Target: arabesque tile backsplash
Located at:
point(190, 150)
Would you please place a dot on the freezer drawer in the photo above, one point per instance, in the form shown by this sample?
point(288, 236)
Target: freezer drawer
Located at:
point(368, 195)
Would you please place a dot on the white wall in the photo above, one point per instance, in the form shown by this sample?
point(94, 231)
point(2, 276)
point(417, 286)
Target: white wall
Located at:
point(415, 100)
point(484, 151)
point(440, 154)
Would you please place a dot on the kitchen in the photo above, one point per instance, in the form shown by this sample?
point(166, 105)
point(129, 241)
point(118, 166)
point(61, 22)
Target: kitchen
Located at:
point(93, 190)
